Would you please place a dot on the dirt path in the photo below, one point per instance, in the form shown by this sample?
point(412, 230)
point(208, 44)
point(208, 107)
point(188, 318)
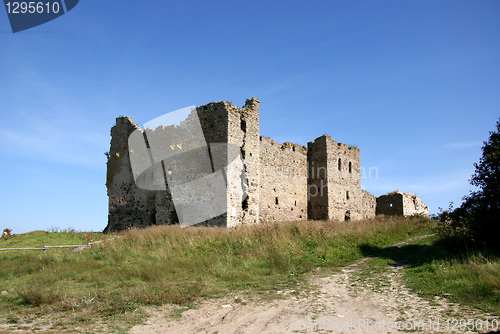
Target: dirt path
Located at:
point(349, 301)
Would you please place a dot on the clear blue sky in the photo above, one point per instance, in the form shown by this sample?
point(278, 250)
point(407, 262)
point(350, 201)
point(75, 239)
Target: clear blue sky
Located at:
point(414, 84)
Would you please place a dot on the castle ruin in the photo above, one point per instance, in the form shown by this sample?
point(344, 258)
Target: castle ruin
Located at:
point(397, 203)
point(283, 182)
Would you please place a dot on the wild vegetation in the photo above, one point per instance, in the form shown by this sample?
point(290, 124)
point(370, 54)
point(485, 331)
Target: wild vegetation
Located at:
point(476, 222)
point(464, 263)
point(167, 264)
point(470, 278)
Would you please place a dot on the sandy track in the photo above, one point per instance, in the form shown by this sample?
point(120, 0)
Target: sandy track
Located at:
point(348, 301)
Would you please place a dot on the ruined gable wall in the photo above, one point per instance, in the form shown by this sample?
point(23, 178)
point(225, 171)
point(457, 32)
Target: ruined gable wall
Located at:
point(401, 204)
point(232, 136)
point(390, 204)
point(129, 206)
point(414, 205)
point(283, 181)
point(221, 122)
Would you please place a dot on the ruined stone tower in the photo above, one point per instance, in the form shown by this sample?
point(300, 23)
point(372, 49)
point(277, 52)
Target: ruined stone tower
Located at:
point(283, 182)
point(335, 182)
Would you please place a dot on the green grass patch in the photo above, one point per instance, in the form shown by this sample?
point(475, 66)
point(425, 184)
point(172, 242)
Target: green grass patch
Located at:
point(470, 277)
point(54, 238)
point(170, 265)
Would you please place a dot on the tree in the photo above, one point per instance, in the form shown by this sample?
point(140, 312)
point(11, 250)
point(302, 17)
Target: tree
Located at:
point(487, 174)
point(477, 220)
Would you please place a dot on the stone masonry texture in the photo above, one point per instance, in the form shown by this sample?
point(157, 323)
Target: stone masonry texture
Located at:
point(283, 182)
point(401, 204)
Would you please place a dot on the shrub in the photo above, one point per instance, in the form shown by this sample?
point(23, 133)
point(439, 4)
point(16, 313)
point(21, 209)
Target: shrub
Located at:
point(7, 234)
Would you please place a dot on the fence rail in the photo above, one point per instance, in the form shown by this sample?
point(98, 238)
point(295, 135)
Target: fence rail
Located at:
point(44, 248)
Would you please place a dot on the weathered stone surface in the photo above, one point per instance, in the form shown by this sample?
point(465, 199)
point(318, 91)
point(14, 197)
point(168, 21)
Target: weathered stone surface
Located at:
point(129, 206)
point(401, 204)
point(335, 182)
point(283, 182)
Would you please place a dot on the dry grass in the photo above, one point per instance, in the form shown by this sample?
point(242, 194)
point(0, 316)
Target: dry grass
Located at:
point(167, 264)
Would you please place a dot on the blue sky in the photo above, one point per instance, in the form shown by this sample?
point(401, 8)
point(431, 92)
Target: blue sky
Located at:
point(414, 84)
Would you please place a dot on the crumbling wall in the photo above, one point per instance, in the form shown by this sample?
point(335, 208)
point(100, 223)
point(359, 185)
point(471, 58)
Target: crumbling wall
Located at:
point(250, 152)
point(398, 203)
point(129, 206)
point(335, 182)
point(222, 122)
point(317, 179)
point(228, 133)
point(414, 205)
point(390, 204)
point(283, 181)
point(368, 205)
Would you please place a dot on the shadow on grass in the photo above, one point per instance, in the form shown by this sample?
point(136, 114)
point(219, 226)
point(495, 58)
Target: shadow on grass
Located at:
point(464, 275)
point(399, 255)
point(417, 255)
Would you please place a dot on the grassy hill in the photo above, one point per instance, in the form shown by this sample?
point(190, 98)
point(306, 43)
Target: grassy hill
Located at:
point(167, 264)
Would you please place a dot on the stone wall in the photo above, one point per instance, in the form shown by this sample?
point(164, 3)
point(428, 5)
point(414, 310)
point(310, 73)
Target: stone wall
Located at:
point(335, 182)
point(317, 179)
point(400, 204)
point(283, 181)
point(129, 206)
point(414, 205)
point(223, 122)
point(368, 205)
point(228, 133)
point(250, 153)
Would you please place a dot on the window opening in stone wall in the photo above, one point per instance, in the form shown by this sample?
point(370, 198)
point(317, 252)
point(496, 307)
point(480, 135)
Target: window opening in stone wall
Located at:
point(340, 164)
point(347, 215)
point(295, 203)
point(276, 200)
point(153, 217)
point(350, 167)
point(390, 205)
point(347, 194)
